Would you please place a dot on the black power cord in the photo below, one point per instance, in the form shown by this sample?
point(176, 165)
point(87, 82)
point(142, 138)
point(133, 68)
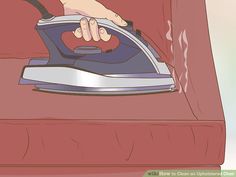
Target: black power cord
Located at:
point(44, 12)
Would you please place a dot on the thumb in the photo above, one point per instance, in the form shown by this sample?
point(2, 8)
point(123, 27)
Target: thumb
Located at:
point(110, 15)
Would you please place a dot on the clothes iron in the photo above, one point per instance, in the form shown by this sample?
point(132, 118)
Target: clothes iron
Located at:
point(134, 67)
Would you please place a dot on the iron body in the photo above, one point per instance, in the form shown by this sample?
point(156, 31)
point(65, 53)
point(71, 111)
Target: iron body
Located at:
point(134, 67)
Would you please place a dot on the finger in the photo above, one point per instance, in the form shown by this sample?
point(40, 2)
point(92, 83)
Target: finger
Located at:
point(94, 29)
point(116, 18)
point(104, 35)
point(85, 29)
point(78, 33)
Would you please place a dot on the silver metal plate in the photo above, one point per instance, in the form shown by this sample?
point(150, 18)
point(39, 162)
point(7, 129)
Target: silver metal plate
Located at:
point(79, 78)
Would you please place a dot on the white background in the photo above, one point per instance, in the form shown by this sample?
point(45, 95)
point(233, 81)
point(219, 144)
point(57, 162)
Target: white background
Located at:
point(222, 23)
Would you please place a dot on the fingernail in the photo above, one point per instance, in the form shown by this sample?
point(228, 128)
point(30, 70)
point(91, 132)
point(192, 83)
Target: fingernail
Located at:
point(83, 20)
point(124, 22)
point(92, 21)
point(101, 31)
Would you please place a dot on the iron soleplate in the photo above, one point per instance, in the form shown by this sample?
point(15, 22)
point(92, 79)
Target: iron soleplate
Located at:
point(64, 89)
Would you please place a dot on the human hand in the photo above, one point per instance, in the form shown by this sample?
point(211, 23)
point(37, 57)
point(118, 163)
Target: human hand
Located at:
point(89, 29)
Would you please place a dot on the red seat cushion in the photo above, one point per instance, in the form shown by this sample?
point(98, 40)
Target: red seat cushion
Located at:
point(69, 129)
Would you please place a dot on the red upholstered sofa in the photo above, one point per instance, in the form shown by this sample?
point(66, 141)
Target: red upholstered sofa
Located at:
point(113, 135)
